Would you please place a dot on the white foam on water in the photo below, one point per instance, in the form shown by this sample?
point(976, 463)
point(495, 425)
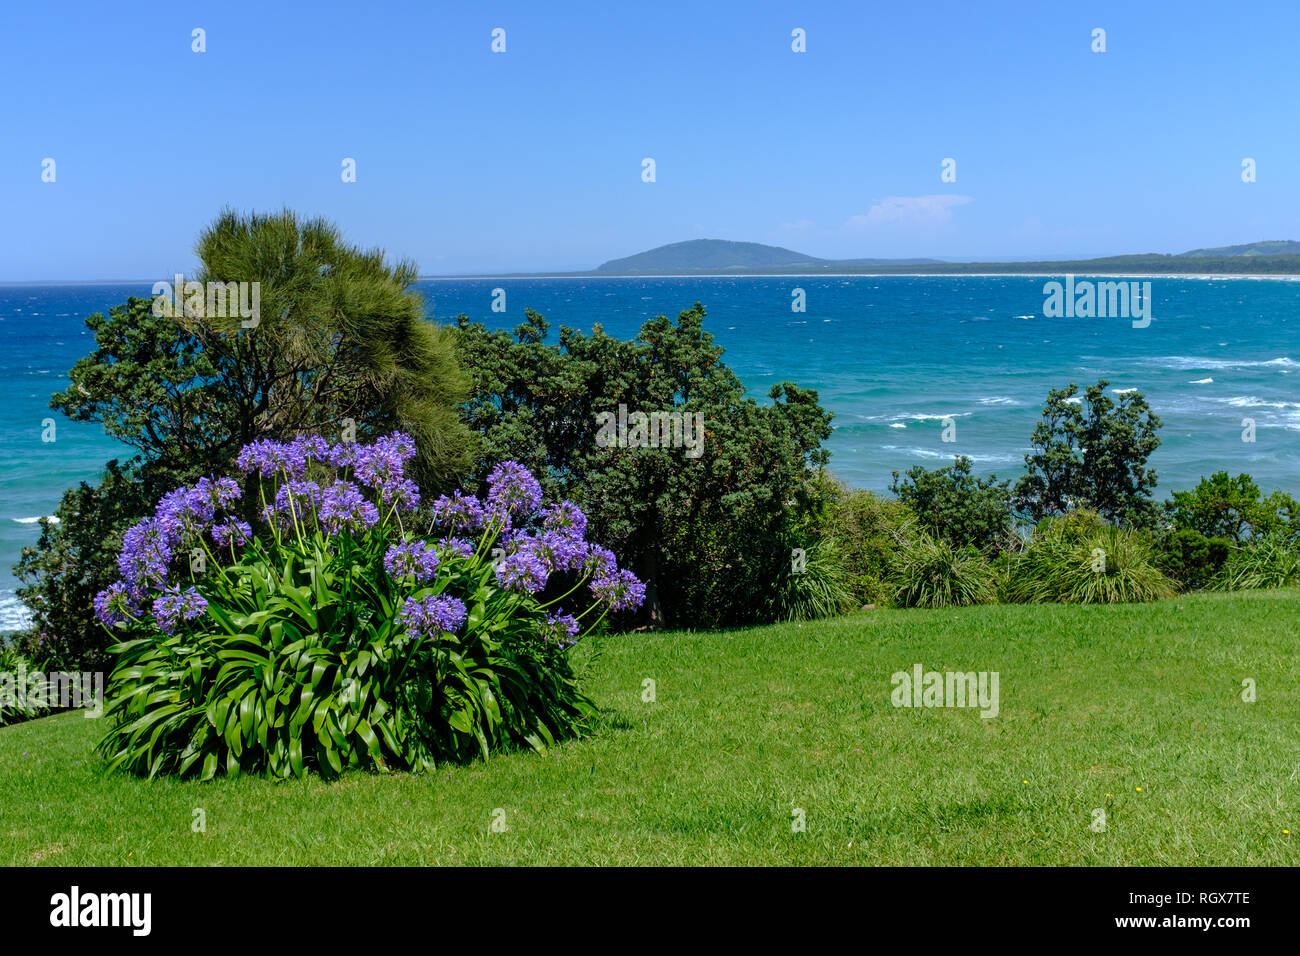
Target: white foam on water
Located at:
point(14, 615)
point(1187, 363)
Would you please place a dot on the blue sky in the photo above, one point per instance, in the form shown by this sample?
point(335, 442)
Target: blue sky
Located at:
point(471, 161)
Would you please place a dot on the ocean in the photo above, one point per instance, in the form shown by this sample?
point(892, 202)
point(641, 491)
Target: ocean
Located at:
point(891, 356)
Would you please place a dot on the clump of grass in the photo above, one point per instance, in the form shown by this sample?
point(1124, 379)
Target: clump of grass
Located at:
point(932, 573)
point(1106, 565)
point(1270, 561)
point(819, 589)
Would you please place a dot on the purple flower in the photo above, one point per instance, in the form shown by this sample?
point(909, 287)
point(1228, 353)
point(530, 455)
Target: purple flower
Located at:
point(343, 507)
point(404, 493)
point(342, 454)
point(522, 571)
point(269, 457)
point(559, 627)
point(309, 448)
point(146, 552)
point(620, 591)
point(231, 532)
point(414, 558)
point(114, 604)
point(599, 562)
point(185, 512)
point(431, 616)
point(456, 546)
point(295, 498)
point(219, 493)
point(556, 551)
point(567, 518)
point(512, 490)
point(175, 604)
point(460, 512)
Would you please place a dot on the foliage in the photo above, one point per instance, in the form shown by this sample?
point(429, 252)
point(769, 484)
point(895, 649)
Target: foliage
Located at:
point(932, 573)
point(1233, 508)
point(1191, 558)
point(956, 506)
point(340, 638)
point(869, 531)
point(1269, 561)
point(1091, 451)
point(72, 561)
point(688, 524)
point(340, 343)
point(1068, 565)
point(817, 586)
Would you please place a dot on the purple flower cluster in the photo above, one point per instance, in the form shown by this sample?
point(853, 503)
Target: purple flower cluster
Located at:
point(559, 628)
point(175, 604)
point(512, 492)
point(231, 532)
point(619, 591)
point(412, 559)
point(344, 508)
point(566, 518)
point(381, 466)
point(431, 616)
point(115, 604)
point(146, 552)
point(459, 512)
point(537, 544)
point(456, 547)
point(522, 571)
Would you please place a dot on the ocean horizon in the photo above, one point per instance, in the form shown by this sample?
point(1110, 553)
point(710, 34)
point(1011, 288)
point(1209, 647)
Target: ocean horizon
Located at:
point(900, 360)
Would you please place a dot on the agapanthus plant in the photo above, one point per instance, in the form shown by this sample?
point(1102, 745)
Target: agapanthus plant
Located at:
point(331, 625)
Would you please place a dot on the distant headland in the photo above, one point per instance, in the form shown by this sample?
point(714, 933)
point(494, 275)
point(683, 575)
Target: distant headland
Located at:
point(725, 257)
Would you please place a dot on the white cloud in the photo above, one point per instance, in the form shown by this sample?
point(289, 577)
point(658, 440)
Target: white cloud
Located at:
point(910, 211)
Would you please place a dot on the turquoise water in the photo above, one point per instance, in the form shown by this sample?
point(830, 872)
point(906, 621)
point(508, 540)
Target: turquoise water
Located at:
point(891, 356)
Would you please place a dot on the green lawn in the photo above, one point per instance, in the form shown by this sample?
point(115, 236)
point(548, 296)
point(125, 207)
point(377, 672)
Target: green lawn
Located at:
point(1134, 708)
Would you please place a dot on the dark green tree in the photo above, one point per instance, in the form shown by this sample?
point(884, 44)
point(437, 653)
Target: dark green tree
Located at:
point(1091, 451)
point(957, 506)
point(702, 531)
point(340, 346)
point(1225, 507)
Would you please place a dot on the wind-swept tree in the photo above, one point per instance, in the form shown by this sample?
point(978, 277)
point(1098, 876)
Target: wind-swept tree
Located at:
point(1091, 451)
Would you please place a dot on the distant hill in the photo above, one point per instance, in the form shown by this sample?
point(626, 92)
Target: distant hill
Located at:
point(722, 256)
point(1269, 247)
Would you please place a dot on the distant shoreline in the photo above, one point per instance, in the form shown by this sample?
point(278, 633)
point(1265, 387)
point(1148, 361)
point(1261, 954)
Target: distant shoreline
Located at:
point(1202, 276)
point(1205, 276)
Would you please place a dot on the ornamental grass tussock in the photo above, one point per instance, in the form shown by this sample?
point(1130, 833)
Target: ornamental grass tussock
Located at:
point(353, 627)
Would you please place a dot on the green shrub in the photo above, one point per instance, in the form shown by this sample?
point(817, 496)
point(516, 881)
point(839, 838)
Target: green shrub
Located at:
point(1107, 566)
point(868, 530)
point(1224, 507)
point(952, 504)
point(1270, 561)
point(811, 585)
point(1191, 558)
point(930, 572)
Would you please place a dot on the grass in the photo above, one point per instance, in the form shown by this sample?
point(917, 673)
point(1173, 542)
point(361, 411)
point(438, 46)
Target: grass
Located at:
point(1133, 708)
